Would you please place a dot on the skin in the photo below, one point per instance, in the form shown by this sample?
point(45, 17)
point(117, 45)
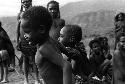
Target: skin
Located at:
point(106, 49)
point(46, 49)
point(122, 43)
point(25, 60)
point(57, 22)
point(4, 57)
point(96, 56)
point(118, 62)
point(96, 49)
point(63, 36)
point(53, 9)
point(20, 36)
point(5, 45)
point(65, 40)
point(4, 72)
point(26, 4)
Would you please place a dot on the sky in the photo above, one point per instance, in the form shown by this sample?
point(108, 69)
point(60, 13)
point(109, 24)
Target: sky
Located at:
point(12, 7)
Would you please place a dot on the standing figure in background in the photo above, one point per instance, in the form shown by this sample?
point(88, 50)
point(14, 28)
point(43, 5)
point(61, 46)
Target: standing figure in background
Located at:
point(28, 51)
point(25, 4)
point(70, 36)
point(119, 61)
point(119, 25)
point(58, 23)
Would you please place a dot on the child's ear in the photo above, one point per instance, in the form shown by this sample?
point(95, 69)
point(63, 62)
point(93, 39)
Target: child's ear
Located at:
point(42, 29)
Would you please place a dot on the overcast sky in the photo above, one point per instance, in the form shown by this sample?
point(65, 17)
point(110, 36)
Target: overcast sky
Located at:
point(12, 7)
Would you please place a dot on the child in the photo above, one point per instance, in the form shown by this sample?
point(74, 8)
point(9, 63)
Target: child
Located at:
point(119, 22)
point(36, 23)
point(58, 23)
point(27, 51)
point(4, 65)
point(100, 65)
point(70, 36)
point(119, 61)
point(105, 47)
point(7, 54)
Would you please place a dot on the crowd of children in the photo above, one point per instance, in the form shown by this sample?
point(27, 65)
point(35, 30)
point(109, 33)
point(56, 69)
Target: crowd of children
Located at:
point(56, 50)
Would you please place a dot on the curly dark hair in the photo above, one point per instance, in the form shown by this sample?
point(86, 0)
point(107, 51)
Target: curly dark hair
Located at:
point(75, 33)
point(117, 16)
point(38, 15)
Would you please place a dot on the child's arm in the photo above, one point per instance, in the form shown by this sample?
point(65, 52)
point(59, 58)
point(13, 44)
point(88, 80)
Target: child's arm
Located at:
point(51, 54)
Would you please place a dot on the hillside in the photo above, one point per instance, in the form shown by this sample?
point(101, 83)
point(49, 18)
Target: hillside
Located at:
point(94, 16)
point(10, 24)
point(100, 22)
point(70, 10)
point(92, 23)
point(95, 23)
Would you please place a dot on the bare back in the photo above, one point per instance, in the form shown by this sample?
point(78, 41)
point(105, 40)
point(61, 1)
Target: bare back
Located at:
point(119, 67)
point(49, 71)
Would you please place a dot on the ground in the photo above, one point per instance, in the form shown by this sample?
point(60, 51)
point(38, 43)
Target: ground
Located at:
point(17, 77)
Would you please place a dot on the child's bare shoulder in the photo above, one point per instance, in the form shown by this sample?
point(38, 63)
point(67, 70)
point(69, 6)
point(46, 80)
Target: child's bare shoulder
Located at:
point(48, 47)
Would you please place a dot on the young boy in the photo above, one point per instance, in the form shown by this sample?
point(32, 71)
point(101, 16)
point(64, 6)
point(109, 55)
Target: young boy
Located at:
point(119, 61)
point(36, 23)
point(70, 36)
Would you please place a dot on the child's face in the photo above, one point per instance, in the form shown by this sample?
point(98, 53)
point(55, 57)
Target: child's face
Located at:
point(63, 36)
point(122, 42)
point(26, 3)
point(53, 9)
point(31, 35)
point(120, 17)
point(96, 46)
point(104, 42)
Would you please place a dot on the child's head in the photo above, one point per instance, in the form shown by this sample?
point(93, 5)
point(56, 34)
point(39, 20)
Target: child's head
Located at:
point(121, 41)
point(53, 8)
point(26, 3)
point(36, 23)
point(120, 17)
point(70, 35)
point(95, 44)
point(103, 40)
